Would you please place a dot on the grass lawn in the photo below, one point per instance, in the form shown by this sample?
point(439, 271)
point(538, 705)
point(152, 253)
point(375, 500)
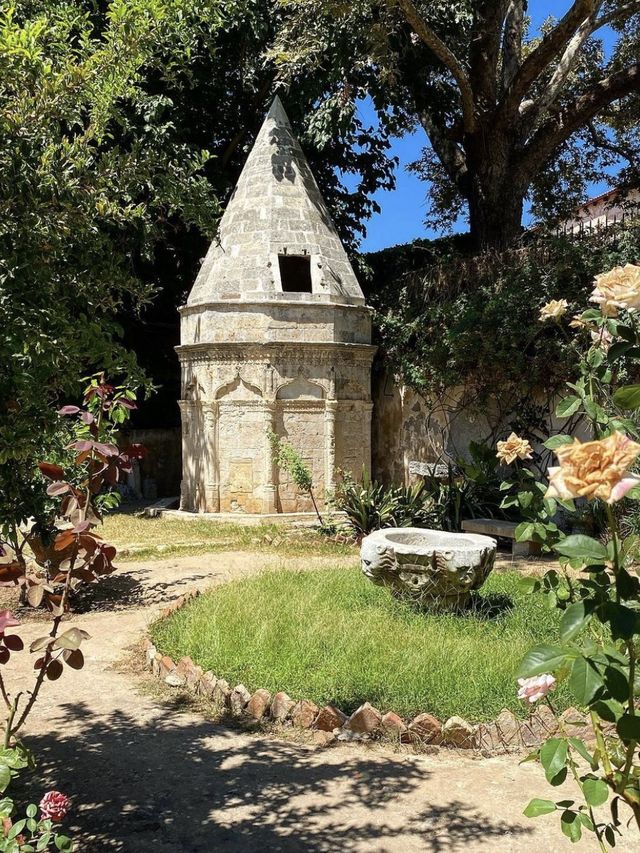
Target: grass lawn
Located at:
point(143, 538)
point(331, 636)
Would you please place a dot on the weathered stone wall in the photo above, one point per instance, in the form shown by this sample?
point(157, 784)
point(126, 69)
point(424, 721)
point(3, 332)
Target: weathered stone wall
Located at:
point(286, 321)
point(316, 396)
point(408, 428)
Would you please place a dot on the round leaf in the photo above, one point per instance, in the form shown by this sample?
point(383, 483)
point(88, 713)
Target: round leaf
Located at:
point(596, 792)
point(54, 670)
point(539, 807)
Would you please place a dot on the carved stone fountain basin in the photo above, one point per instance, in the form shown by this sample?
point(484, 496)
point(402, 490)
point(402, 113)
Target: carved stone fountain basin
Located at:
point(433, 568)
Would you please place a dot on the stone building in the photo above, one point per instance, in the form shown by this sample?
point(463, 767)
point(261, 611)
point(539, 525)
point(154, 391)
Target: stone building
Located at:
point(275, 337)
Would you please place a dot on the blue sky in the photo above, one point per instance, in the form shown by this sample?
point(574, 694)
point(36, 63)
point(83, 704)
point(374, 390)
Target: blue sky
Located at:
point(403, 209)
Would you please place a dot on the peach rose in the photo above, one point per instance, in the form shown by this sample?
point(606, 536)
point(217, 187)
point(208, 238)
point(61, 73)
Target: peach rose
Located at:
point(618, 288)
point(554, 309)
point(535, 688)
point(594, 469)
point(578, 323)
point(602, 338)
point(513, 448)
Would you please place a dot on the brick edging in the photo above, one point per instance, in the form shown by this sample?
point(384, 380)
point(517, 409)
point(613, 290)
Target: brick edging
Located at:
point(505, 734)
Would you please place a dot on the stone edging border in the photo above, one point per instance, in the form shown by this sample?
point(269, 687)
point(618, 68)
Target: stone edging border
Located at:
point(505, 734)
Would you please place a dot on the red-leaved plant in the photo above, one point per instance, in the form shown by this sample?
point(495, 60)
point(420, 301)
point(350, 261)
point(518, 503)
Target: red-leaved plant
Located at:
point(72, 555)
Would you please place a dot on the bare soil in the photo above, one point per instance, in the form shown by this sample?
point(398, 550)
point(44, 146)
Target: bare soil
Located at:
point(146, 773)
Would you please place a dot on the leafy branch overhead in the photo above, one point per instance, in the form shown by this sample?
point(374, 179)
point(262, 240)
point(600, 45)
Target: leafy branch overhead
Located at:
point(508, 113)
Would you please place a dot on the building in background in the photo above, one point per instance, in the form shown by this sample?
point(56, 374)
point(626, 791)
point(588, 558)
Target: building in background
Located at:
point(275, 338)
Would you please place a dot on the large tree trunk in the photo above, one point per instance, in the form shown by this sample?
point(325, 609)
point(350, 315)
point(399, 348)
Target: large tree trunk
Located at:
point(494, 188)
point(495, 216)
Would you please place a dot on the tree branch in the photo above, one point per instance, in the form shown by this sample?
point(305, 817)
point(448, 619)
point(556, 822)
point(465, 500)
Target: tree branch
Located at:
point(448, 59)
point(600, 140)
point(550, 46)
point(616, 14)
point(534, 109)
point(450, 155)
point(557, 130)
point(485, 48)
point(512, 42)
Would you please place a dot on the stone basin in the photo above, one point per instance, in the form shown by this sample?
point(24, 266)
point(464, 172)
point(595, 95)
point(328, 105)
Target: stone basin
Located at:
point(433, 568)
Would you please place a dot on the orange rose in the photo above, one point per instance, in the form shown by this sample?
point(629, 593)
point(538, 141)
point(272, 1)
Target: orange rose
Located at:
point(594, 469)
point(513, 448)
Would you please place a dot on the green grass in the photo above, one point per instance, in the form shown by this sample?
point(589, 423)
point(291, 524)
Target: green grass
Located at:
point(147, 538)
point(331, 636)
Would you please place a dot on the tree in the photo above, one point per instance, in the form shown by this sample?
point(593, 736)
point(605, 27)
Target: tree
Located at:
point(90, 173)
point(506, 115)
point(216, 100)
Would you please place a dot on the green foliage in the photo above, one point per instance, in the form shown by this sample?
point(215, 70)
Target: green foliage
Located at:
point(505, 114)
point(471, 322)
point(31, 832)
point(525, 497)
point(369, 505)
point(598, 591)
point(57, 562)
point(322, 635)
point(469, 490)
point(288, 459)
point(90, 173)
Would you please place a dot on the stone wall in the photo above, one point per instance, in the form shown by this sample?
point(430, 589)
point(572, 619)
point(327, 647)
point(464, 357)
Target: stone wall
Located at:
point(314, 395)
point(406, 428)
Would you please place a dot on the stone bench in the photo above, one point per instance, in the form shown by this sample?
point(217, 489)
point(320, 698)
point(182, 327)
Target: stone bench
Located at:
point(504, 530)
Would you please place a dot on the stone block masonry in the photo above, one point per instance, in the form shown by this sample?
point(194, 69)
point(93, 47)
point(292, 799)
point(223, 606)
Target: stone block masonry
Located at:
point(275, 337)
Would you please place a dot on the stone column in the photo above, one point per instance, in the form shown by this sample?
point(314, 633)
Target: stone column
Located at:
point(186, 487)
point(269, 488)
point(211, 467)
point(331, 407)
point(366, 446)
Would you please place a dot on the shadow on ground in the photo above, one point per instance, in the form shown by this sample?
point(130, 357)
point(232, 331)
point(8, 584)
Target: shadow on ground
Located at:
point(175, 784)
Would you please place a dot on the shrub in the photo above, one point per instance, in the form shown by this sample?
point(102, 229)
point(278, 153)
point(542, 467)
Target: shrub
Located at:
point(370, 506)
point(288, 459)
point(68, 554)
point(596, 653)
point(466, 322)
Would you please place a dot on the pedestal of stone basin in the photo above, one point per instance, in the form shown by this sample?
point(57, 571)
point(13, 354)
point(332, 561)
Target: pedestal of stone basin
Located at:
point(433, 568)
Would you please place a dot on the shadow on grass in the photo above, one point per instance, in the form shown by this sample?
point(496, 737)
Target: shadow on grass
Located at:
point(484, 608)
point(489, 607)
point(169, 783)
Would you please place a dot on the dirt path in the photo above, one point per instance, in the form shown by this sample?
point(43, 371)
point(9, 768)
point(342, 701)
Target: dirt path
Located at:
point(147, 775)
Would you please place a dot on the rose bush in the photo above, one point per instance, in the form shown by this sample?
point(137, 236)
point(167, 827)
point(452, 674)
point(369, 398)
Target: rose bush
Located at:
point(598, 589)
point(50, 566)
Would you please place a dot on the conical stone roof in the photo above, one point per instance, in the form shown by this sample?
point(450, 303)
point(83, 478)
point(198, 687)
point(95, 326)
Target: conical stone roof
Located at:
point(276, 210)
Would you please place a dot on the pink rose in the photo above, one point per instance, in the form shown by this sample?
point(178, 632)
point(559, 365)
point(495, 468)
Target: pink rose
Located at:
point(54, 806)
point(532, 689)
point(7, 620)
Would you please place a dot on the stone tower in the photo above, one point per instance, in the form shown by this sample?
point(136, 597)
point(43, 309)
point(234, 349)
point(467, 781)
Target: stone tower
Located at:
point(275, 336)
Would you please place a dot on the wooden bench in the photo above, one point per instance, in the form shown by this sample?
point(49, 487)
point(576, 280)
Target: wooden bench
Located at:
point(503, 530)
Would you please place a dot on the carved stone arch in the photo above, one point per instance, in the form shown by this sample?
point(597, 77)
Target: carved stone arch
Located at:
point(300, 389)
point(238, 389)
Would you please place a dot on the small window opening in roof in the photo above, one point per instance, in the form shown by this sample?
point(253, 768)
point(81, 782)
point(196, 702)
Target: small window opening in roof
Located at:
point(295, 273)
